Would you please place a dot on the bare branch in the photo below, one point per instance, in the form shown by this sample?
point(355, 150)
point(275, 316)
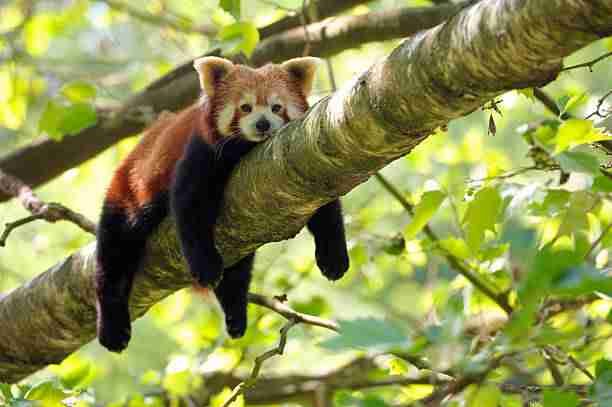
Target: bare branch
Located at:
point(259, 360)
point(282, 309)
point(589, 64)
point(51, 212)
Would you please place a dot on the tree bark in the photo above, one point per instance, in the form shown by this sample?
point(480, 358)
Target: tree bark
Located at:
point(45, 159)
point(430, 79)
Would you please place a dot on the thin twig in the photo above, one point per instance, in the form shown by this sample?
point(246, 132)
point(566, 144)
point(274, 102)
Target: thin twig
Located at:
point(259, 360)
point(598, 240)
point(589, 64)
point(282, 309)
point(551, 364)
point(600, 102)
point(8, 227)
point(51, 212)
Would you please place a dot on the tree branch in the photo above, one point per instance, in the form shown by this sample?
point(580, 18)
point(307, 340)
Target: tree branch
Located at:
point(51, 212)
point(428, 80)
point(45, 159)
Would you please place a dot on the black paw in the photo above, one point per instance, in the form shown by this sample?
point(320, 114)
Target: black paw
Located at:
point(332, 261)
point(114, 327)
point(209, 271)
point(236, 326)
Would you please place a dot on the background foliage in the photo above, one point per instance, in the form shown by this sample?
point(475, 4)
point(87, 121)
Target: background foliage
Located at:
point(514, 193)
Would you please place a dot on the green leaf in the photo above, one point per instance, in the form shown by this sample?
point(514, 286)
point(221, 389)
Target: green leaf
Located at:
point(481, 215)
point(582, 280)
point(575, 218)
point(457, 247)
point(231, 6)
point(49, 122)
point(57, 121)
point(79, 91)
point(5, 390)
point(426, 208)
point(575, 132)
point(548, 266)
point(359, 256)
point(485, 396)
point(554, 201)
point(240, 37)
point(528, 93)
point(178, 384)
point(573, 161)
point(76, 118)
point(48, 393)
point(602, 387)
point(562, 102)
point(553, 398)
point(602, 183)
point(603, 366)
point(366, 333)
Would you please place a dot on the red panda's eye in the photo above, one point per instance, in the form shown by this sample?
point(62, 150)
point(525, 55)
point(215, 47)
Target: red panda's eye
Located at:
point(246, 108)
point(276, 108)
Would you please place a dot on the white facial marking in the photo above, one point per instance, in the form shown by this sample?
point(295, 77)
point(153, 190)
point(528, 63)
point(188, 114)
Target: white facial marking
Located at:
point(294, 112)
point(225, 118)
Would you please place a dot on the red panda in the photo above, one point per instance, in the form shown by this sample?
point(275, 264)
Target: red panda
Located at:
point(181, 165)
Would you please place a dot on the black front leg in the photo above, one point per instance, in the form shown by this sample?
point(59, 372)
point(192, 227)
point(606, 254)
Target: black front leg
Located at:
point(232, 294)
point(196, 195)
point(327, 227)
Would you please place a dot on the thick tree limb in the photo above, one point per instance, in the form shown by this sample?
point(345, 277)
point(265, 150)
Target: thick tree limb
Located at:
point(45, 159)
point(437, 76)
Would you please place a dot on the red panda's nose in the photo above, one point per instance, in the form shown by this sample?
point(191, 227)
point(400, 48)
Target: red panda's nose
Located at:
point(262, 125)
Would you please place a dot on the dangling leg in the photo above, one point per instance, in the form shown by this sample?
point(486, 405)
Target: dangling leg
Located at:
point(119, 252)
point(195, 198)
point(327, 227)
point(232, 294)
point(120, 248)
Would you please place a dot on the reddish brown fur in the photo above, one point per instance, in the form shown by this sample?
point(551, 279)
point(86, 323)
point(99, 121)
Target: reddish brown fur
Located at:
point(148, 169)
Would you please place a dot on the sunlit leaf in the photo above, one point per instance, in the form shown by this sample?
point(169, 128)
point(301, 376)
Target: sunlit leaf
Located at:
point(231, 6)
point(79, 91)
point(48, 393)
point(76, 118)
point(485, 396)
point(178, 383)
point(482, 214)
point(456, 246)
point(528, 93)
point(240, 37)
point(424, 210)
point(554, 398)
point(575, 132)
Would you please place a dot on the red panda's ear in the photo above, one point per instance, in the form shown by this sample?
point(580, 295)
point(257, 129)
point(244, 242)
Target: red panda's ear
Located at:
point(210, 71)
point(303, 71)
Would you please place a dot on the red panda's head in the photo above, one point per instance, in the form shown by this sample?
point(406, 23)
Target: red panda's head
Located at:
point(252, 103)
